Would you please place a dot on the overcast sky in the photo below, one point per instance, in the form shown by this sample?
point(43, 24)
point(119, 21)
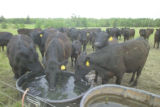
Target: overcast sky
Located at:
point(82, 8)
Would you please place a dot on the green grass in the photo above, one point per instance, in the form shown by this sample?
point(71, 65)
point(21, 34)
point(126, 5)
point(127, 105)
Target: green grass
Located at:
point(149, 79)
point(13, 30)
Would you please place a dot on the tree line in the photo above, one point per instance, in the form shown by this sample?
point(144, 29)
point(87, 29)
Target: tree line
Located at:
point(75, 21)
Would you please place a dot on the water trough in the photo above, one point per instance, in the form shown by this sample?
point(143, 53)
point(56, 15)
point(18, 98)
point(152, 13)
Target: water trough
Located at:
point(67, 93)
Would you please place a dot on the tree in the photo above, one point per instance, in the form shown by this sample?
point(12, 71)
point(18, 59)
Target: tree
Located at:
point(28, 20)
point(2, 19)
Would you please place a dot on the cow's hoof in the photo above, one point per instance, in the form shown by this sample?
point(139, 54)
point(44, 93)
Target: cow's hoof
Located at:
point(133, 85)
point(130, 82)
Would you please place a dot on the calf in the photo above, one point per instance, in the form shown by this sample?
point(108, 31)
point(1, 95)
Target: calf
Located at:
point(57, 52)
point(76, 50)
point(22, 56)
point(115, 60)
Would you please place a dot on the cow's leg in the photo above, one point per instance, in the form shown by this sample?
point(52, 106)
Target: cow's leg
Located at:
point(132, 78)
point(96, 76)
point(2, 48)
point(75, 60)
point(119, 79)
point(84, 47)
point(15, 73)
point(120, 37)
point(154, 44)
point(137, 77)
point(72, 60)
point(157, 44)
point(104, 80)
point(93, 46)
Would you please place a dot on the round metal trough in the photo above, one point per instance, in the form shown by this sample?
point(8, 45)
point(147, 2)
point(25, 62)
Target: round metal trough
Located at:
point(150, 99)
point(36, 101)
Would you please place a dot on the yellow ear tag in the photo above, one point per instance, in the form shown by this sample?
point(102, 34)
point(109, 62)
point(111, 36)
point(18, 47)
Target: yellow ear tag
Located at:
point(110, 39)
point(63, 67)
point(87, 63)
point(41, 35)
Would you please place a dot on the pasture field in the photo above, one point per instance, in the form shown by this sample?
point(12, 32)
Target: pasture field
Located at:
point(149, 79)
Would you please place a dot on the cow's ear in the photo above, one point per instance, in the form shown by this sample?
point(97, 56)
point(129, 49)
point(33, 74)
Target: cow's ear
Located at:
point(87, 62)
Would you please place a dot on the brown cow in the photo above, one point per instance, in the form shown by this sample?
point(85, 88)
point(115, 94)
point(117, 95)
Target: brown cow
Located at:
point(57, 52)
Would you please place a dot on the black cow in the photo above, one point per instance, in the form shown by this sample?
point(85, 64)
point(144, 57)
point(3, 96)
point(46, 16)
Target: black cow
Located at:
point(35, 34)
point(101, 40)
point(74, 34)
point(22, 56)
point(131, 33)
point(92, 36)
point(143, 33)
point(126, 33)
point(57, 52)
point(83, 39)
point(92, 39)
point(157, 38)
point(4, 39)
point(146, 33)
point(115, 60)
point(149, 32)
point(76, 50)
point(24, 31)
point(115, 32)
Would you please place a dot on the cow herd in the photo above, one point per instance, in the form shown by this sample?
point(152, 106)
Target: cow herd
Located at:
point(109, 58)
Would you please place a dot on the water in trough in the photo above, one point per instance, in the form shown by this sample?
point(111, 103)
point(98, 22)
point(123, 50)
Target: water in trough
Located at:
point(66, 88)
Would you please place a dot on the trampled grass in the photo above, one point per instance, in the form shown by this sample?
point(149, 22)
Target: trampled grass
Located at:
point(149, 79)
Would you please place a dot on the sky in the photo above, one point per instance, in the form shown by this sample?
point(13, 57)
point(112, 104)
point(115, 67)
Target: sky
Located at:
point(81, 8)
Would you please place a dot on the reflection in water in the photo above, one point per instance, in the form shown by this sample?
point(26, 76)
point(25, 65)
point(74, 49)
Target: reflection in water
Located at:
point(66, 88)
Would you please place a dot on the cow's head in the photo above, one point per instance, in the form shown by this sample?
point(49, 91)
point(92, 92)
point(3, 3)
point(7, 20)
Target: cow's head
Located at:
point(52, 68)
point(82, 67)
point(101, 40)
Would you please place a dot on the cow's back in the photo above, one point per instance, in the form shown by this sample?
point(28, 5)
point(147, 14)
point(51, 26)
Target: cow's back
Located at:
point(135, 53)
